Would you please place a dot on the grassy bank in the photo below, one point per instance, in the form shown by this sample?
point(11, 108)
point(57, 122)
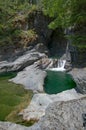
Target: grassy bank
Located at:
point(13, 98)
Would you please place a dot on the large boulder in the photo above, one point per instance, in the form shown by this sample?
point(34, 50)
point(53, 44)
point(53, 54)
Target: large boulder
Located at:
point(62, 115)
point(40, 102)
point(28, 58)
point(31, 77)
point(11, 126)
point(66, 115)
point(79, 76)
point(47, 63)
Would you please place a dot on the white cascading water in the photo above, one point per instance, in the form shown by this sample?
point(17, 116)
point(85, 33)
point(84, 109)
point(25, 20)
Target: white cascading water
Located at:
point(61, 64)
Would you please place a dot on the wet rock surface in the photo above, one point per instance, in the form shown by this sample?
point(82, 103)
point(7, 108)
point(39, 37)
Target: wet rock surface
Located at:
point(46, 63)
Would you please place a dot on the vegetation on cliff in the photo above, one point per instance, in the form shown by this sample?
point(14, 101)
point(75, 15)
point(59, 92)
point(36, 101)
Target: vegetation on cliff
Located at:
point(66, 14)
point(14, 19)
point(18, 18)
point(14, 25)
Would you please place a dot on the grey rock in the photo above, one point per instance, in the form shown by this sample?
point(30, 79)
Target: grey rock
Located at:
point(40, 47)
point(11, 126)
point(10, 52)
point(79, 76)
point(32, 78)
point(36, 108)
point(68, 66)
point(66, 115)
point(23, 61)
point(40, 102)
point(62, 115)
point(46, 63)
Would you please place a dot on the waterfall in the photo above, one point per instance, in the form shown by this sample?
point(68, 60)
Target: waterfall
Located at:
point(61, 63)
point(60, 67)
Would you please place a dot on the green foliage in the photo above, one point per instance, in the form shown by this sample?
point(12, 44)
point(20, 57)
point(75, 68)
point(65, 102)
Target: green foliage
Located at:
point(78, 9)
point(69, 13)
point(79, 40)
point(13, 13)
point(66, 13)
point(60, 10)
point(25, 36)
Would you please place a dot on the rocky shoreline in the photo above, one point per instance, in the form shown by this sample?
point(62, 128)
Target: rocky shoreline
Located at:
point(27, 42)
point(79, 76)
point(67, 115)
point(44, 107)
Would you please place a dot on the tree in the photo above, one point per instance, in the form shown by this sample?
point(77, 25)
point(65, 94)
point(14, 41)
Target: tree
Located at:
point(59, 10)
point(10, 11)
point(68, 13)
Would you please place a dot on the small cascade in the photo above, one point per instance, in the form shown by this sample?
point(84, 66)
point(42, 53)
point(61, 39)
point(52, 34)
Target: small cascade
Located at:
point(61, 65)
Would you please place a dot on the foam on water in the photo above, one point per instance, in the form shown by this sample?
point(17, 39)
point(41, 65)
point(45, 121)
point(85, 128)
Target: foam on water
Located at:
point(61, 65)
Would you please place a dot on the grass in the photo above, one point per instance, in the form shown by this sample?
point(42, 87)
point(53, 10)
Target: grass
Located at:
point(13, 99)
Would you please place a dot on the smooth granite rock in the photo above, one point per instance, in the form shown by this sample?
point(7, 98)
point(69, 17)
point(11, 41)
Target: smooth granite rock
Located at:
point(47, 63)
point(28, 58)
point(62, 115)
point(79, 76)
point(65, 115)
point(31, 77)
point(11, 126)
point(40, 102)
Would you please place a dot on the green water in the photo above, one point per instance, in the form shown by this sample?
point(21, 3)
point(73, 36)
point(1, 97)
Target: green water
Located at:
point(56, 82)
point(13, 98)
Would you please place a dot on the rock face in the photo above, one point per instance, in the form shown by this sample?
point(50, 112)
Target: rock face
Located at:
point(57, 44)
point(64, 115)
point(28, 58)
point(46, 63)
point(11, 126)
point(31, 77)
point(40, 102)
point(40, 23)
point(79, 75)
point(40, 47)
point(81, 58)
point(35, 21)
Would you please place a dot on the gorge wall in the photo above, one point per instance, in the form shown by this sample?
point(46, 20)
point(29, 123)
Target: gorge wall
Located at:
point(51, 42)
point(45, 40)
